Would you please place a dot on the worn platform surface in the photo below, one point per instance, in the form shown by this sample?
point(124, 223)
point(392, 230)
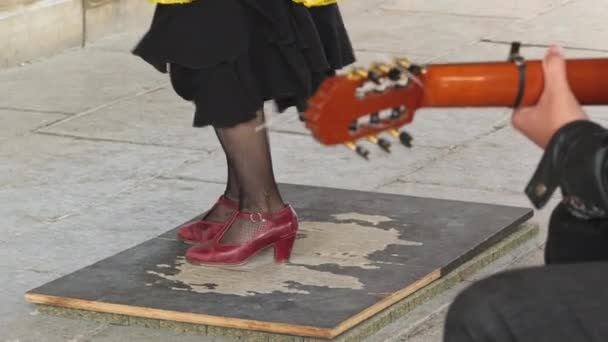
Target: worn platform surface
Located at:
point(357, 254)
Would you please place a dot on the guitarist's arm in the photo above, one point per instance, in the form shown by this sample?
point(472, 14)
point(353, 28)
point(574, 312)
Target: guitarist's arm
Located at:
point(576, 150)
point(576, 161)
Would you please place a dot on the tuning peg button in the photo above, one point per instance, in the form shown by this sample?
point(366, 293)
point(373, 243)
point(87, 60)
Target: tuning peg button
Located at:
point(374, 118)
point(394, 74)
point(417, 69)
point(374, 77)
point(360, 150)
point(396, 113)
point(363, 152)
point(357, 73)
point(384, 144)
point(403, 62)
point(381, 142)
point(406, 139)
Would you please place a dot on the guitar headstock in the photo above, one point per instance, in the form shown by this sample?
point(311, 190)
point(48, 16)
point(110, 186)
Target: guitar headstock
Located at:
point(364, 103)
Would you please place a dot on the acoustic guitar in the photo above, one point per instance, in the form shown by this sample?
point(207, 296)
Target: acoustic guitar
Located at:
point(366, 103)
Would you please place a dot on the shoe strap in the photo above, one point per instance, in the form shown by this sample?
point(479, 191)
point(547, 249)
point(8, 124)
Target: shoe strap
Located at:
point(255, 217)
point(262, 217)
point(227, 202)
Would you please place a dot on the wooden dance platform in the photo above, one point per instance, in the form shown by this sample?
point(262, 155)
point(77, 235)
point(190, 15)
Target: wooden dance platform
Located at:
point(361, 261)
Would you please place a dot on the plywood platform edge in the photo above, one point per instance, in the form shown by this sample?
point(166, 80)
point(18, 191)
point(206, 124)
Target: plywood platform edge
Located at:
point(227, 322)
point(363, 324)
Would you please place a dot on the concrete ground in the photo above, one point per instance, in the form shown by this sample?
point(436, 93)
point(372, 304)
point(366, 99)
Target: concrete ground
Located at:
point(97, 153)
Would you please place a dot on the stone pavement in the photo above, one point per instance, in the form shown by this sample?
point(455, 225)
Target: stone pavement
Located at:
point(97, 153)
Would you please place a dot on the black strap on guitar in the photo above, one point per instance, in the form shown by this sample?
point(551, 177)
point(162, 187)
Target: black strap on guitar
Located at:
point(516, 58)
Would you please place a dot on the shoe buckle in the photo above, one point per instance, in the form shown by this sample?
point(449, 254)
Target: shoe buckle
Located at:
point(258, 216)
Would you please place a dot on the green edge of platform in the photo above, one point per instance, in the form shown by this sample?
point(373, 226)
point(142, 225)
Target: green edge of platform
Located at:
point(523, 234)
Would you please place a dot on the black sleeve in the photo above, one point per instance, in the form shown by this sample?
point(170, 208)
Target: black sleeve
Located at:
point(575, 160)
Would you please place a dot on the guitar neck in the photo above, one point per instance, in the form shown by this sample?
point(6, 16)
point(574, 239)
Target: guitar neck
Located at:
point(497, 84)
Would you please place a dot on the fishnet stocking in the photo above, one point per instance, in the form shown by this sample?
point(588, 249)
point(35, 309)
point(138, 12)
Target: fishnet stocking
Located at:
point(242, 230)
point(221, 213)
point(248, 153)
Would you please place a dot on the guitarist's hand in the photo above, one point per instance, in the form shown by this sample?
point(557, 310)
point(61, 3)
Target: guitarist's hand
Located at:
point(556, 107)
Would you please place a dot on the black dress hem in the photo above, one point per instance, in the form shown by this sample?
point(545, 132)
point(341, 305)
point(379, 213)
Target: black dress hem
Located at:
point(269, 50)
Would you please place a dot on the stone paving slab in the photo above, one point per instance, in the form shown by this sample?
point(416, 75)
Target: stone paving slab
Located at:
point(35, 161)
point(428, 34)
point(484, 51)
point(161, 119)
point(297, 160)
point(158, 118)
point(17, 124)
point(580, 24)
point(111, 224)
point(494, 162)
point(120, 42)
point(77, 81)
point(515, 9)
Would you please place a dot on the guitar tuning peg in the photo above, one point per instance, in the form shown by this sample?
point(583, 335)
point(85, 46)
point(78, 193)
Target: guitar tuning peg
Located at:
point(379, 70)
point(374, 118)
point(381, 67)
point(381, 142)
point(362, 72)
point(384, 144)
point(360, 150)
point(400, 72)
point(394, 74)
point(405, 138)
point(358, 73)
point(403, 62)
point(374, 76)
point(412, 68)
point(397, 112)
point(417, 69)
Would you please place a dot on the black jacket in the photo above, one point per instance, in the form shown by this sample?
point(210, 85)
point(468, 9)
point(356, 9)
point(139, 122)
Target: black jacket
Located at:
point(576, 161)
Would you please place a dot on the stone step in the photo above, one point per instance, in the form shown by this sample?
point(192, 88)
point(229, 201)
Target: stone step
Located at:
point(33, 29)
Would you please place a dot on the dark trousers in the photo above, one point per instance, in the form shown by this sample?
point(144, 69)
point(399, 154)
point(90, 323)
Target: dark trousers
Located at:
point(565, 300)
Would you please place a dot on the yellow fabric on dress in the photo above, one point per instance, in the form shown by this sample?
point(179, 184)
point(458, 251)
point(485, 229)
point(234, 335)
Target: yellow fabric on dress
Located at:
point(171, 2)
point(307, 3)
point(313, 3)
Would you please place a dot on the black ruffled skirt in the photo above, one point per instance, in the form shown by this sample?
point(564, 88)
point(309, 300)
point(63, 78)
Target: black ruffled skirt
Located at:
point(230, 56)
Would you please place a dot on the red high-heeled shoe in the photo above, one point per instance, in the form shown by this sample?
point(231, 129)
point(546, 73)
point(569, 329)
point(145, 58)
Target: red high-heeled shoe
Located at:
point(202, 230)
point(276, 230)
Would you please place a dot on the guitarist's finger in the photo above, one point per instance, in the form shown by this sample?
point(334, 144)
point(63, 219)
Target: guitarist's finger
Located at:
point(529, 122)
point(561, 106)
point(521, 116)
point(554, 70)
